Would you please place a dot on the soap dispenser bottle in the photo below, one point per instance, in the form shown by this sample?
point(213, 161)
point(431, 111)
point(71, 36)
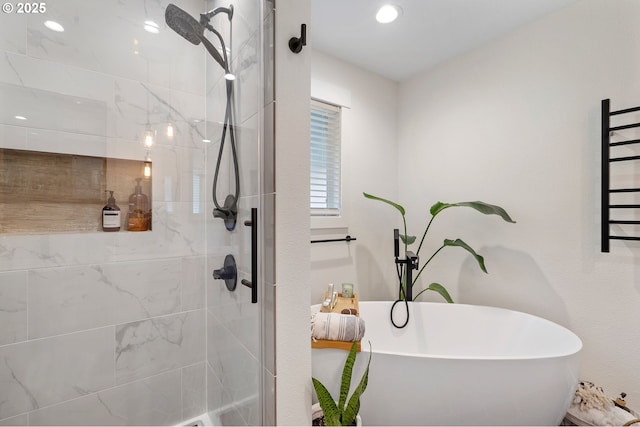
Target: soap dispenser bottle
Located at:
point(138, 209)
point(111, 215)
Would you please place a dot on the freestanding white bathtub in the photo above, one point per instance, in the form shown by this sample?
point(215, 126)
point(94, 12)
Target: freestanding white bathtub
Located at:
point(458, 364)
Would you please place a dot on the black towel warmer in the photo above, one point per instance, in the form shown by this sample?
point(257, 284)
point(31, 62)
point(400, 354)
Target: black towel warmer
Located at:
point(607, 160)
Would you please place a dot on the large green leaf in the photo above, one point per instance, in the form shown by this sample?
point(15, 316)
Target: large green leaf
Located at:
point(482, 207)
point(407, 240)
point(389, 202)
point(437, 287)
point(328, 405)
point(353, 407)
point(462, 244)
point(346, 377)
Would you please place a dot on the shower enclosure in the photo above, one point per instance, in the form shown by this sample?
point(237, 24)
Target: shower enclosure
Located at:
point(130, 327)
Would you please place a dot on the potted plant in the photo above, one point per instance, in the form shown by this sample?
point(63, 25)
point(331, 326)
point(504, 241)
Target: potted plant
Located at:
point(481, 207)
point(345, 411)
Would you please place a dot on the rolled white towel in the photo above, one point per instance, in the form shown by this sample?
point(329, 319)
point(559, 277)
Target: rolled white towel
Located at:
point(336, 327)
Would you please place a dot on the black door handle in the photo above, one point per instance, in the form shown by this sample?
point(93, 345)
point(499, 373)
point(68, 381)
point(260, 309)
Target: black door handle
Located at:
point(253, 284)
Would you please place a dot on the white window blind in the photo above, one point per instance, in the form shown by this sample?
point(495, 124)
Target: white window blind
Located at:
point(325, 159)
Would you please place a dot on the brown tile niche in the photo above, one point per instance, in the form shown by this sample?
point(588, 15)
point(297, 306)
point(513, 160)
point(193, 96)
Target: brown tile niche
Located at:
point(42, 193)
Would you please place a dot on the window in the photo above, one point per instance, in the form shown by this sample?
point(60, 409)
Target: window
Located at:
point(325, 159)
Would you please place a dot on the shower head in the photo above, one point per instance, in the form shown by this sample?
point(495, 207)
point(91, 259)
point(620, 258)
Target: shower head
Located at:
point(185, 25)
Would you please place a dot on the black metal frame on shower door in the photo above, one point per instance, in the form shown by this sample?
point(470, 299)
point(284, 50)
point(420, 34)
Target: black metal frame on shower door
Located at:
point(607, 160)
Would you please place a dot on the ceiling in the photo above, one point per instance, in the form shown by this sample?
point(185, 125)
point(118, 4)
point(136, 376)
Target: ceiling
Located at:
point(427, 32)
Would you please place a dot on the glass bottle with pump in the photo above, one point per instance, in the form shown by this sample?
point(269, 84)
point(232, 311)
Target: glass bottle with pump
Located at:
point(138, 209)
point(111, 215)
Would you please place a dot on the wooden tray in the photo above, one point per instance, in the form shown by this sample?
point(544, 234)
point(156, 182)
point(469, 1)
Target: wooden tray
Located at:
point(340, 305)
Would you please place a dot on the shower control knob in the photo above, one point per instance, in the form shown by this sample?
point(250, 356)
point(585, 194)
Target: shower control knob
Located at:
point(228, 273)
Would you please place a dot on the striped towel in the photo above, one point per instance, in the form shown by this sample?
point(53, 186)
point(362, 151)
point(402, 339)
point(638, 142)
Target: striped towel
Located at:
point(336, 327)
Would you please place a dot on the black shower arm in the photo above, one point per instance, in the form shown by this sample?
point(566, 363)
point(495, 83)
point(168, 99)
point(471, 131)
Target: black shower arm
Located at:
point(205, 17)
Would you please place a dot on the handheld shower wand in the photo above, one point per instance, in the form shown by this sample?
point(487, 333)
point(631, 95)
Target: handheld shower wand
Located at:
point(193, 31)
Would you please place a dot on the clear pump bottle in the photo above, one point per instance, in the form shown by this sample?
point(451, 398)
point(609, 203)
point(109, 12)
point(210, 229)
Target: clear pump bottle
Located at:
point(111, 215)
point(138, 210)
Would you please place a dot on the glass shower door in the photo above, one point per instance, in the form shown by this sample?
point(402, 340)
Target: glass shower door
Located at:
point(235, 337)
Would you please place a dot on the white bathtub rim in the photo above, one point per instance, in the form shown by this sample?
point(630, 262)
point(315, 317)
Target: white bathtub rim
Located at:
point(437, 356)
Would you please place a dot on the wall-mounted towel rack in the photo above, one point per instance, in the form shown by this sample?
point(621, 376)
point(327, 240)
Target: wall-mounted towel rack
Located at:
point(607, 160)
point(344, 239)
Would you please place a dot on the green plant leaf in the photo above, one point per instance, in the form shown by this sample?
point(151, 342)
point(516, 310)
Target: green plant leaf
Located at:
point(389, 202)
point(481, 207)
point(346, 377)
point(328, 405)
point(407, 240)
point(437, 287)
point(353, 407)
point(462, 244)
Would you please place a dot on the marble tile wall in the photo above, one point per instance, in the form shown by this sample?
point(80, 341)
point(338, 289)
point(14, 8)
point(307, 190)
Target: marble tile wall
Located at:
point(107, 328)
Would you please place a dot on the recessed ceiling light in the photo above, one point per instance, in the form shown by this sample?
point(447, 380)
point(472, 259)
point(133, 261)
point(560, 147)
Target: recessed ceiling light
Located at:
point(388, 13)
point(206, 140)
point(151, 27)
point(54, 26)
point(20, 117)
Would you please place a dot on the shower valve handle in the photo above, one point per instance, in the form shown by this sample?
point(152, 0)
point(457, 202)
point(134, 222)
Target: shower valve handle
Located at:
point(296, 43)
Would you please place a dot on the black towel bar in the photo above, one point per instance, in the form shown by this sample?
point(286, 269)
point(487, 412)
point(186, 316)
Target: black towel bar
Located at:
point(344, 239)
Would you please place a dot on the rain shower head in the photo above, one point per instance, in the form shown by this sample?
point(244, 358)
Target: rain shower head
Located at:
point(185, 25)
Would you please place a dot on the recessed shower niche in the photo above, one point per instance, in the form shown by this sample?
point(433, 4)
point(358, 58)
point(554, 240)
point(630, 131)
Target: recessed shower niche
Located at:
point(42, 193)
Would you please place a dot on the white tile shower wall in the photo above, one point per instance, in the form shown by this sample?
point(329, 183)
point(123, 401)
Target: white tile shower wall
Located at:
point(13, 307)
point(106, 328)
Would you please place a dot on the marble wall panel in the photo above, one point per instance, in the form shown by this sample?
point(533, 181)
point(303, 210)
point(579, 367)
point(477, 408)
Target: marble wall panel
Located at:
point(26, 252)
point(249, 155)
point(193, 283)
point(75, 83)
point(153, 401)
point(20, 420)
point(249, 84)
point(12, 35)
point(13, 307)
point(51, 110)
point(38, 373)
point(129, 51)
point(177, 231)
point(54, 141)
point(184, 168)
point(194, 383)
point(13, 137)
point(98, 295)
point(235, 367)
point(155, 345)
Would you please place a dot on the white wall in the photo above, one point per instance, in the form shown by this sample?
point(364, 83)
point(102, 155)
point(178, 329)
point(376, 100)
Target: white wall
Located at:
point(516, 123)
point(369, 158)
point(292, 349)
